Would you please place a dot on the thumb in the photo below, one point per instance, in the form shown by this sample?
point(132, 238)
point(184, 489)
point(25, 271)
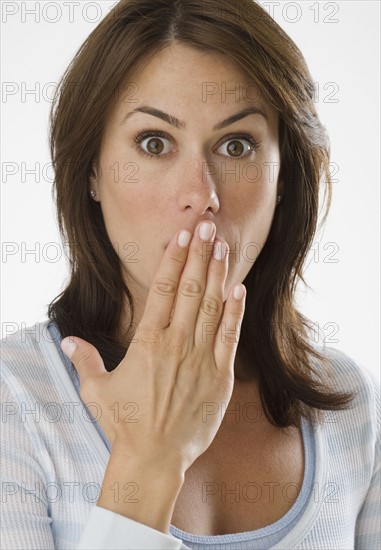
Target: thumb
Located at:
point(84, 356)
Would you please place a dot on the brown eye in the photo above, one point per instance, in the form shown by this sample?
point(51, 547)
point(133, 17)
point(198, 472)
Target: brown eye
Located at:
point(155, 146)
point(235, 148)
point(238, 147)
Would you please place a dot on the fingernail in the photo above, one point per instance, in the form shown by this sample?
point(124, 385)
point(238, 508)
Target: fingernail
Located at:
point(68, 346)
point(206, 231)
point(183, 238)
point(219, 251)
point(238, 292)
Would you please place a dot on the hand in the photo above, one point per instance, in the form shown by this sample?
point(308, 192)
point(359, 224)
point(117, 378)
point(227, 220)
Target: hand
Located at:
point(181, 359)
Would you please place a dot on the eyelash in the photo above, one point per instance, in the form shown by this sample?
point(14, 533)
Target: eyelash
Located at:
point(157, 133)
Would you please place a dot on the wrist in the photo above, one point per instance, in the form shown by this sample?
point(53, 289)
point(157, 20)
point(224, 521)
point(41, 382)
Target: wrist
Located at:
point(141, 489)
point(153, 462)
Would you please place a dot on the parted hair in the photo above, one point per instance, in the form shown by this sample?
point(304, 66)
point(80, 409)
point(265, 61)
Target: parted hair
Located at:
point(276, 339)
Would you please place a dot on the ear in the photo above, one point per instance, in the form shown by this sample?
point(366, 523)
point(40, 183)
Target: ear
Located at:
point(94, 181)
point(280, 188)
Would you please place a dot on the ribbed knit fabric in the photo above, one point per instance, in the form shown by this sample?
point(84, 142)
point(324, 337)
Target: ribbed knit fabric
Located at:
point(54, 457)
point(253, 540)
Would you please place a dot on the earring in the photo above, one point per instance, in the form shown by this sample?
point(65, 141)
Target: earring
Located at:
point(279, 199)
point(93, 193)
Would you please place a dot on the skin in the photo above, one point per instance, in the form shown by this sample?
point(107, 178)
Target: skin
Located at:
point(176, 189)
point(181, 370)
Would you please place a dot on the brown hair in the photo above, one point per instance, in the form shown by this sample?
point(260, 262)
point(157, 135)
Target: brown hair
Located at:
point(274, 336)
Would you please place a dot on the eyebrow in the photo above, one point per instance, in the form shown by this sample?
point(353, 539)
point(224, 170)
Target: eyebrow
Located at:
point(173, 121)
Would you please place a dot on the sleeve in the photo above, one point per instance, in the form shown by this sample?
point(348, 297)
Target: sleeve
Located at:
point(368, 524)
point(106, 530)
point(25, 520)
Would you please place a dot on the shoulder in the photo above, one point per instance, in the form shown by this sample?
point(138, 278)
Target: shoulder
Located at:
point(361, 418)
point(19, 344)
point(27, 355)
point(343, 373)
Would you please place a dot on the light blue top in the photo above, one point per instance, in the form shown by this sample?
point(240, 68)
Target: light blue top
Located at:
point(249, 540)
point(54, 457)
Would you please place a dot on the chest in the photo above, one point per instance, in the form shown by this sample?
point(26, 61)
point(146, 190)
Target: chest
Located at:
point(241, 483)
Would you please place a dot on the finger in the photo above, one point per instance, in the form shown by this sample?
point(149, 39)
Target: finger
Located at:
point(212, 303)
point(227, 337)
point(193, 279)
point(161, 296)
point(85, 358)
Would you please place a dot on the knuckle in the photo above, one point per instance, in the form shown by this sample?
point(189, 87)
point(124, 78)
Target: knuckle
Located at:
point(164, 287)
point(178, 342)
point(176, 259)
point(191, 288)
point(210, 307)
point(83, 355)
point(150, 339)
point(231, 338)
point(205, 252)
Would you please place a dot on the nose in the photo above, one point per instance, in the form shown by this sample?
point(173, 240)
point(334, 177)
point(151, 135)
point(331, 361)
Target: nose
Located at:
point(198, 191)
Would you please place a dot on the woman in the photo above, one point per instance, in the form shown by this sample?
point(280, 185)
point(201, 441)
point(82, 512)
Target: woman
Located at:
point(189, 410)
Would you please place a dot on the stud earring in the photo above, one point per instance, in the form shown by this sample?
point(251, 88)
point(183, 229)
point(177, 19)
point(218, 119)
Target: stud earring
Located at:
point(279, 199)
point(93, 193)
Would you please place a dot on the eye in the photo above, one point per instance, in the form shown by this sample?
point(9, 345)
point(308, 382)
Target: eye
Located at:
point(234, 147)
point(153, 144)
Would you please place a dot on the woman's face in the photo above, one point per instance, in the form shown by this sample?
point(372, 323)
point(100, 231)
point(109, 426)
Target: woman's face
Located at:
point(190, 156)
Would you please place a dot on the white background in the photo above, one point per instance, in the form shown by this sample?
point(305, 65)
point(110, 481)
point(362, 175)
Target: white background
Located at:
point(340, 41)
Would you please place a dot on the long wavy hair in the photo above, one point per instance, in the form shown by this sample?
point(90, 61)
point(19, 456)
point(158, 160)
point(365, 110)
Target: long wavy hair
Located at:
point(275, 337)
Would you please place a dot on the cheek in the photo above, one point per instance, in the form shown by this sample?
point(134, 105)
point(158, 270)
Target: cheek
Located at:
point(268, 169)
point(259, 176)
point(129, 203)
point(256, 206)
point(257, 191)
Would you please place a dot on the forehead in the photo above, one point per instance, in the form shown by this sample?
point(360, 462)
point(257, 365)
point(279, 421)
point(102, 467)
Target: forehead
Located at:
point(180, 78)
